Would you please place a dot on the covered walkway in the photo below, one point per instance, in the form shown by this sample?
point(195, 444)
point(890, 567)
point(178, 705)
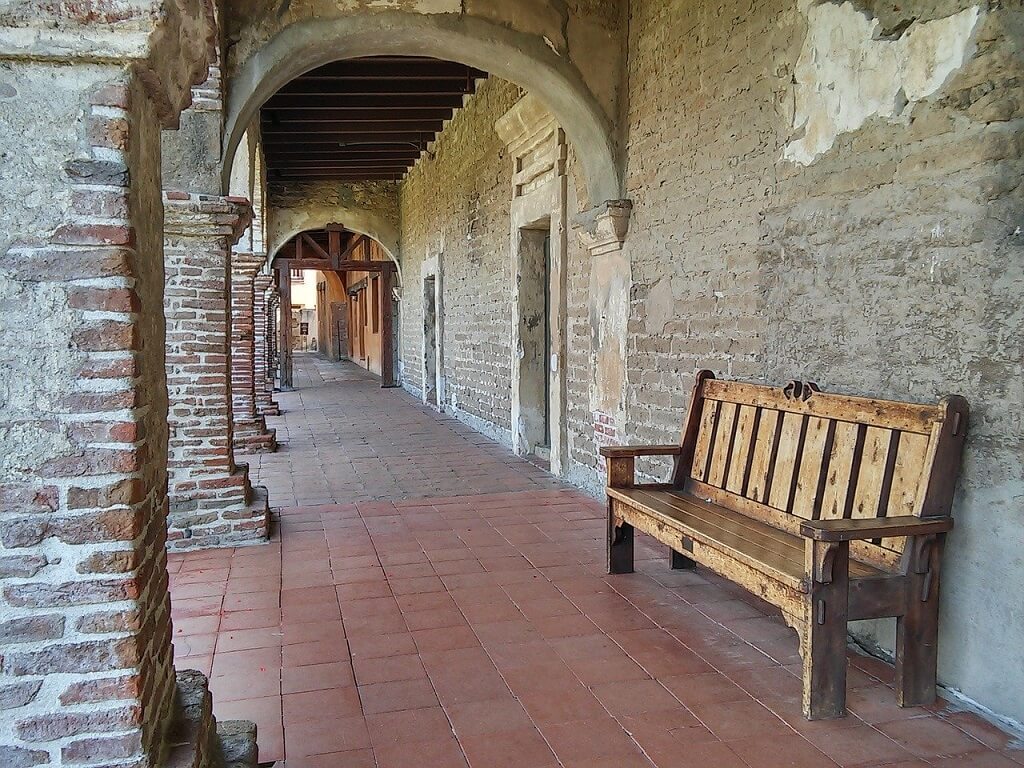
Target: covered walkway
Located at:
point(431, 600)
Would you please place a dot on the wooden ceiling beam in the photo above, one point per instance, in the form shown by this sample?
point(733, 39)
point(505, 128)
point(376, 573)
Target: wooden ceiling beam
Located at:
point(327, 155)
point(324, 265)
point(381, 127)
point(412, 137)
point(380, 101)
point(349, 88)
point(319, 110)
point(335, 164)
point(393, 68)
point(314, 245)
point(285, 176)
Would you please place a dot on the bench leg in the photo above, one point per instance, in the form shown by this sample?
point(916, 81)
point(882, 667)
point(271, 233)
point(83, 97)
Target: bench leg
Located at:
point(678, 562)
point(620, 544)
point(824, 636)
point(917, 631)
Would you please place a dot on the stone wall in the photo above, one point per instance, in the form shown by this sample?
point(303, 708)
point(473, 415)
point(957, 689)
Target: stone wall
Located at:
point(455, 208)
point(881, 256)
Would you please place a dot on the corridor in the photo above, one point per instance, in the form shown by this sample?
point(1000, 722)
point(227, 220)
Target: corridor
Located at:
point(350, 441)
point(430, 600)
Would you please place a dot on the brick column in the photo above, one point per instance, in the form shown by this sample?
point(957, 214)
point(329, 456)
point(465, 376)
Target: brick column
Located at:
point(250, 433)
point(263, 379)
point(86, 674)
point(211, 500)
point(273, 337)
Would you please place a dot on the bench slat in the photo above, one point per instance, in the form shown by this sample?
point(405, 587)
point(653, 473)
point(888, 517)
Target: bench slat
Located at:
point(871, 476)
point(764, 447)
point(702, 448)
point(906, 417)
point(905, 493)
point(840, 467)
point(739, 464)
point(787, 456)
point(809, 488)
point(720, 450)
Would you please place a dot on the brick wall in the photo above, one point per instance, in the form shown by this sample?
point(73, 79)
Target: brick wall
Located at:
point(457, 206)
point(211, 500)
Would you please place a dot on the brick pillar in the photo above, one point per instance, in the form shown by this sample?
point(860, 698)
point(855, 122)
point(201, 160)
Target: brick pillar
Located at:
point(273, 337)
point(263, 379)
point(211, 500)
point(250, 433)
point(86, 673)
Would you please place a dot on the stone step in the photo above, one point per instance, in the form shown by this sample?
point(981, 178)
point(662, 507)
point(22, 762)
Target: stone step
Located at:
point(191, 741)
point(237, 740)
point(195, 738)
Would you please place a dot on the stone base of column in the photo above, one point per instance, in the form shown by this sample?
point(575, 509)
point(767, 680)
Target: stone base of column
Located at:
point(223, 512)
point(272, 409)
point(253, 436)
point(266, 405)
point(197, 739)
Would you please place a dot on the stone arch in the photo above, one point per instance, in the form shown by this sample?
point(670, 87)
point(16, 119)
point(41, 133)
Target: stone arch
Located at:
point(358, 220)
point(515, 56)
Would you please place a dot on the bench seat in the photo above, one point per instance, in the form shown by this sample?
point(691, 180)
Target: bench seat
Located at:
point(769, 550)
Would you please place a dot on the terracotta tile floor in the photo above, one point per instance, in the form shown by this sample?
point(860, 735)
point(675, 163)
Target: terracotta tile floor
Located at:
point(338, 432)
point(481, 629)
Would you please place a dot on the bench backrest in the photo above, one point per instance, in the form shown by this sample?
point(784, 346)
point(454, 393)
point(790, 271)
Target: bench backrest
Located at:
point(782, 454)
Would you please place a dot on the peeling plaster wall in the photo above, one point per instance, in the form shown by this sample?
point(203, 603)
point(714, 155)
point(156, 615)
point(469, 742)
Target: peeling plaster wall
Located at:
point(887, 261)
point(846, 74)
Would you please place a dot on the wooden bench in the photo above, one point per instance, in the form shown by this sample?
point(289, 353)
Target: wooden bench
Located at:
point(832, 508)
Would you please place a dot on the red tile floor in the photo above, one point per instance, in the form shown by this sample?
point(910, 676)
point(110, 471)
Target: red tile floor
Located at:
point(481, 630)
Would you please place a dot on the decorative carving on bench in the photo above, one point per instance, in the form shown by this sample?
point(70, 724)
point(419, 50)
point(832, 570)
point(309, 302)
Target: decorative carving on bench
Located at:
point(832, 508)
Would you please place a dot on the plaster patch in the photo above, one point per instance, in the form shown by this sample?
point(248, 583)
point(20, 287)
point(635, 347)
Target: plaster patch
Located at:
point(847, 74)
point(660, 307)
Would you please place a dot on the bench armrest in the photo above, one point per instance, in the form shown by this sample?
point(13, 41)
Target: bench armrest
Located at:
point(631, 451)
point(860, 529)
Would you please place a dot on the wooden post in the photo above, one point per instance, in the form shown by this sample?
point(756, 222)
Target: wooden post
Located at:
point(334, 246)
point(387, 357)
point(824, 637)
point(917, 630)
point(284, 277)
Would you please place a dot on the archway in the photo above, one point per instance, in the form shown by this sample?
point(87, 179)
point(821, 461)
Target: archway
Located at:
point(355, 307)
point(360, 220)
point(506, 53)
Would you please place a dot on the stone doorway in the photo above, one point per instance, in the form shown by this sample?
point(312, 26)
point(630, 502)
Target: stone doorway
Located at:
point(533, 318)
